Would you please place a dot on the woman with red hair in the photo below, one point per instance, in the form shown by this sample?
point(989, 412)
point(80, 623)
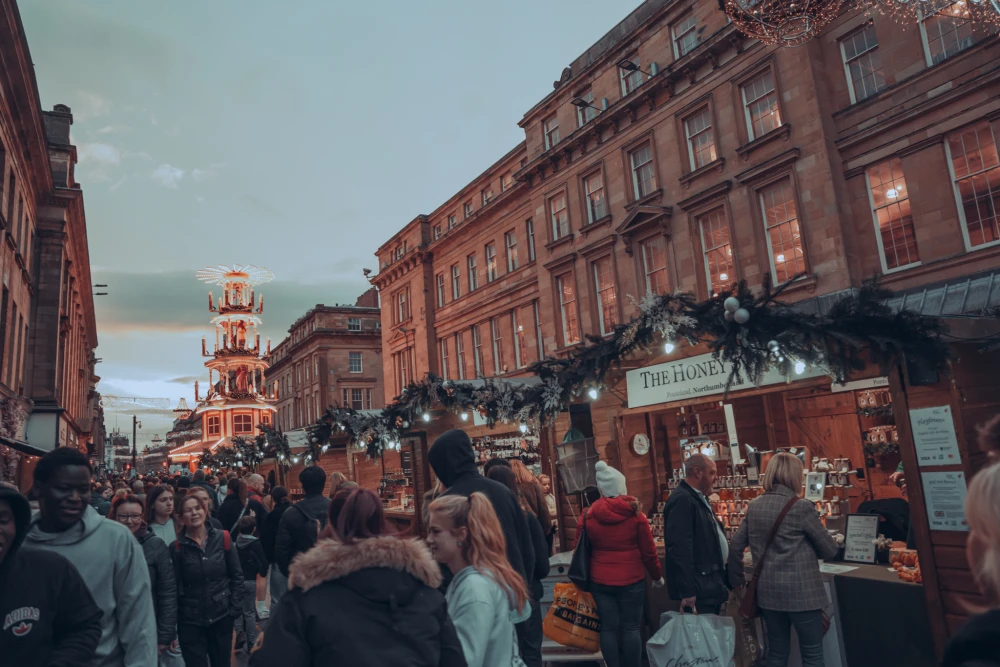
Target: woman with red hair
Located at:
point(361, 597)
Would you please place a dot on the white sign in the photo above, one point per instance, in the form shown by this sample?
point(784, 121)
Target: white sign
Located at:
point(934, 436)
point(944, 497)
point(734, 443)
point(862, 531)
point(694, 377)
point(870, 383)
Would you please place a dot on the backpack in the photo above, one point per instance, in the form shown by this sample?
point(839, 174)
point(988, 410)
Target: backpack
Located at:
point(312, 527)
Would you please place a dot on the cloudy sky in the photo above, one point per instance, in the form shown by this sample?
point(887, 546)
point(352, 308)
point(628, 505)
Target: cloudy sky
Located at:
point(297, 135)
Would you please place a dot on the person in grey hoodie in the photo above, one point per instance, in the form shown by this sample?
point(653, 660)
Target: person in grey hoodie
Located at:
point(488, 596)
point(108, 557)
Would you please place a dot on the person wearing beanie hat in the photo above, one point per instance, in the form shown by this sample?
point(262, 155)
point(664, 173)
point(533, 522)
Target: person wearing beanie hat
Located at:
point(622, 551)
point(610, 482)
point(454, 462)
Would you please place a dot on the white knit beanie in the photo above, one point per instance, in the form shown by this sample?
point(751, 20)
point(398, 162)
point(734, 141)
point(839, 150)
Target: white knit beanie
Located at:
point(610, 482)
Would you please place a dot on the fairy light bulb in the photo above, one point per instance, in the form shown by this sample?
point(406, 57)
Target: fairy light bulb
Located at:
point(669, 347)
point(593, 393)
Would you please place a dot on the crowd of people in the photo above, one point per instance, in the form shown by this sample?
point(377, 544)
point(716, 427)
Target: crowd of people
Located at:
point(172, 571)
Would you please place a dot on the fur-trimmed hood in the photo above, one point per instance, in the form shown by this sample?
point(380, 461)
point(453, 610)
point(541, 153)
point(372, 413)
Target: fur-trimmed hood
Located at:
point(329, 559)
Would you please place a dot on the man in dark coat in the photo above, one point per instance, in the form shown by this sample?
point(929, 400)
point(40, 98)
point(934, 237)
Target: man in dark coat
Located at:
point(199, 480)
point(49, 616)
point(454, 462)
point(163, 583)
point(302, 523)
point(696, 546)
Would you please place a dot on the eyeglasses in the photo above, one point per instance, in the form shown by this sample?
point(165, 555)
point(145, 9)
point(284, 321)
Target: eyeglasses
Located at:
point(127, 518)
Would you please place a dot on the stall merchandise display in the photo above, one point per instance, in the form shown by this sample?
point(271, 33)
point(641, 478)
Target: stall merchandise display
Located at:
point(396, 489)
point(906, 562)
point(509, 447)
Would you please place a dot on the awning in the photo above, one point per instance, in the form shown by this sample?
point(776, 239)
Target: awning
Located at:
point(970, 295)
point(23, 447)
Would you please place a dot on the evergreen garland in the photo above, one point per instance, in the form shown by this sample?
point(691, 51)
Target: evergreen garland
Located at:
point(750, 332)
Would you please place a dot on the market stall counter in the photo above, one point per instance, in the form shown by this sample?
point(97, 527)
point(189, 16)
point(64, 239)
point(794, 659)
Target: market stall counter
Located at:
point(883, 619)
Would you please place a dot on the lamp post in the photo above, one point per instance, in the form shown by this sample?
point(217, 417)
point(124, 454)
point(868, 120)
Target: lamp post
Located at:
point(136, 424)
point(630, 66)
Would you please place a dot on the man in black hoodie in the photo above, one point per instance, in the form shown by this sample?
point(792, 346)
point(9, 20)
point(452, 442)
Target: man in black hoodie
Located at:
point(49, 616)
point(454, 462)
point(302, 523)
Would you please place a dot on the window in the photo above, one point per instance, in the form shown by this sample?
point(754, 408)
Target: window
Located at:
point(354, 399)
point(309, 409)
point(402, 311)
point(491, 262)
point(460, 355)
point(354, 324)
point(567, 309)
point(401, 366)
point(890, 201)
point(520, 340)
point(443, 346)
point(487, 195)
point(630, 78)
point(506, 182)
point(717, 249)
point(976, 172)
point(437, 232)
point(607, 297)
point(368, 399)
point(316, 367)
point(354, 358)
point(510, 241)
point(439, 280)
point(700, 139)
point(593, 187)
point(456, 282)
point(654, 264)
point(585, 114)
point(477, 350)
point(945, 28)
point(265, 418)
point(760, 104)
point(550, 130)
point(473, 274)
point(399, 252)
point(214, 425)
point(298, 374)
point(559, 216)
point(643, 174)
point(452, 221)
point(242, 424)
point(538, 330)
point(529, 228)
point(467, 208)
point(307, 370)
point(498, 365)
point(784, 238)
point(862, 63)
point(685, 36)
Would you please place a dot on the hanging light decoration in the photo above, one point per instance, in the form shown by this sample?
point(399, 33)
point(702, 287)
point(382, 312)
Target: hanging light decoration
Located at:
point(782, 22)
point(911, 12)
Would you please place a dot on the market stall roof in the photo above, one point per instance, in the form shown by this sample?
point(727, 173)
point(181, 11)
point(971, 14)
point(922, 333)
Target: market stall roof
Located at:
point(969, 295)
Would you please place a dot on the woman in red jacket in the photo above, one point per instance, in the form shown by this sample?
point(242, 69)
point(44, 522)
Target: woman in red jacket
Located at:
point(622, 551)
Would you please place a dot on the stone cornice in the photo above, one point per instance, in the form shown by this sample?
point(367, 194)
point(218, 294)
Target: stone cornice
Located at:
point(401, 267)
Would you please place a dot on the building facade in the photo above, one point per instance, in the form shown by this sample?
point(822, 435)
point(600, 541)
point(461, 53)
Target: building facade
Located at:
point(48, 331)
point(675, 154)
point(332, 356)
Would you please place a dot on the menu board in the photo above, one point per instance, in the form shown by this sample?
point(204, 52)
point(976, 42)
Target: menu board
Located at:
point(859, 542)
point(944, 497)
point(934, 436)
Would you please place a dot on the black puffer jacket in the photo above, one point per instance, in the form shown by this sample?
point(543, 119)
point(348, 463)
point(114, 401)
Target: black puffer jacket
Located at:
point(269, 535)
point(977, 643)
point(209, 578)
point(368, 604)
point(298, 528)
point(99, 503)
point(163, 583)
point(231, 511)
point(454, 462)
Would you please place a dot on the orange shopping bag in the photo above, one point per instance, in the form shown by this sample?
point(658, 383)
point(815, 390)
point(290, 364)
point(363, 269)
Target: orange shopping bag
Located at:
point(572, 619)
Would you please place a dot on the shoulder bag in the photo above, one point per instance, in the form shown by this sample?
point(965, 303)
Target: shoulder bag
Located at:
point(579, 567)
point(748, 607)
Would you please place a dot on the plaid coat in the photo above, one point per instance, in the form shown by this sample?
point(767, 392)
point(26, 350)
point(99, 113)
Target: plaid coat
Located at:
point(790, 579)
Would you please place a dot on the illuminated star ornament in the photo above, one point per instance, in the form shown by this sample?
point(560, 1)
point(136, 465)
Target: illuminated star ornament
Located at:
point(248, 274)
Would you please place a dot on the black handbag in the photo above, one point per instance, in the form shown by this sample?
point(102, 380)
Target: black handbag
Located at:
point(579, 567)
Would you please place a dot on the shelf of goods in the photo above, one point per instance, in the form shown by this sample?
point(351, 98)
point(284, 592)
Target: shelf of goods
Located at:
point(509, 446)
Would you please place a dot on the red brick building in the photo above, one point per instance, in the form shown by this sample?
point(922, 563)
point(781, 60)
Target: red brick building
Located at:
point(48, 331)
point(332, 355)
point(675, 154)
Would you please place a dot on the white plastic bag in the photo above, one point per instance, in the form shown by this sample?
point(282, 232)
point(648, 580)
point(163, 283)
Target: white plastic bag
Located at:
point(686, 640)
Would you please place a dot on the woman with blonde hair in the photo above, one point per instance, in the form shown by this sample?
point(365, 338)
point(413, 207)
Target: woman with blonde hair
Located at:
point(487, 596)
point(977, 644)
point(799, 542)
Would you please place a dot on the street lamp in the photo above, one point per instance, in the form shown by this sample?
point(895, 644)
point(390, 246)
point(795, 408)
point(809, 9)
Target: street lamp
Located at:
point(581, 103)
point(630, 66)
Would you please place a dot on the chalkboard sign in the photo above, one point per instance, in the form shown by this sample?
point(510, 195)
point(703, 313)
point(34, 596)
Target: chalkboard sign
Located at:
point(859, 542)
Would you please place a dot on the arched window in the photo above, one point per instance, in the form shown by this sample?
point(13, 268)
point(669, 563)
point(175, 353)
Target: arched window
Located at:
point(242, 424)
point(214, 425)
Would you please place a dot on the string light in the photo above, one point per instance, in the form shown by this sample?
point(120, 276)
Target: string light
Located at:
point(782, 22)
point(524, 427)
point(427, 416)
point(669, 347)
point(800, 367)
point(465, 416)
point(593, 393)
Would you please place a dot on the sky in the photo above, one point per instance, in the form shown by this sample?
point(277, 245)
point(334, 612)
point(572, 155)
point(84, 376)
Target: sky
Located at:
point(298, 136)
